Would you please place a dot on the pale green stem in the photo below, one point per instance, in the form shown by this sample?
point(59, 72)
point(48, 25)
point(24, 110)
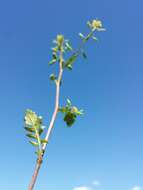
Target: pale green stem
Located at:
point(38, 139)
point(40, 158)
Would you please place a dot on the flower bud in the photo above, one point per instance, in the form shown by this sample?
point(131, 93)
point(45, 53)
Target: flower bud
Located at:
point(60, 39)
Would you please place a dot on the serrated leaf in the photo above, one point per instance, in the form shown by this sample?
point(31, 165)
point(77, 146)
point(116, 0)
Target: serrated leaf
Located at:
point(31, 136)
point(34, 143)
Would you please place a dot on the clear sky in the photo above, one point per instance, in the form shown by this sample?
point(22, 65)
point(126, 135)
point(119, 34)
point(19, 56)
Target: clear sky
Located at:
point(104, 146)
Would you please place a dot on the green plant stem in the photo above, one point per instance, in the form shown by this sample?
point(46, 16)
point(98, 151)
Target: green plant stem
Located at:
point(78, 51)
point(38, 139)
point(51, 125)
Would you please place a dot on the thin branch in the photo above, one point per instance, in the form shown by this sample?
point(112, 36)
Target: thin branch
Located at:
point(51, 125)
point(56, 103)
point(35, 174)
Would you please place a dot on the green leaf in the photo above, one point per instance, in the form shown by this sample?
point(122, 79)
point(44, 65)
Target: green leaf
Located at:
point(70, 113)
point(31, 136)
point(52, 77)
point(30, 129)
point(89, 24)
point(68, 46)
point(101, 29)
point(69, 67)
point(69, 118)
point(52, 61)
point(63, 110)
point(54, 55)
point(55, 49)
point(34, 143)
point(68, 102)
point(80, 112)
point(94, 38)
point(44, 141)
point(88, 37)
point(84, 55)
point(81, 35)
point(41, 129)
point(71, 60)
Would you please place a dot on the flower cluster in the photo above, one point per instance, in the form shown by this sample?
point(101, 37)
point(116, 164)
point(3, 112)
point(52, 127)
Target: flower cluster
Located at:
point(95, 24)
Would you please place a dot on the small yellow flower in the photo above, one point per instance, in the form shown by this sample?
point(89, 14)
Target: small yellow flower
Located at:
point(96, 24)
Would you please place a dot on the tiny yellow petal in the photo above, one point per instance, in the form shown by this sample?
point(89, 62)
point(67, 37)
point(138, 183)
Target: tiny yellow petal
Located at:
point(96, 24)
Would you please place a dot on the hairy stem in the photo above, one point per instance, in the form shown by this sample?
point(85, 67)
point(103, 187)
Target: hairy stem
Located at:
point(51, 125)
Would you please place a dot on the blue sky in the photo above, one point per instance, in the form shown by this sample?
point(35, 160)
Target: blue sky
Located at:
point(105, 145)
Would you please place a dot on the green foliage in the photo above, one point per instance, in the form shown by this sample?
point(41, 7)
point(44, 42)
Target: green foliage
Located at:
point(53, 77)
point(70, 61)
point(52, 61)
point(94, 38)
point(69, 118)
point(81, 36)
point(68, 46)
point(70, 113)
point(63, 45)
point(34, 127)
point(94, 25)
point(84, 55)
point(34, 143)
point(33, 122)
